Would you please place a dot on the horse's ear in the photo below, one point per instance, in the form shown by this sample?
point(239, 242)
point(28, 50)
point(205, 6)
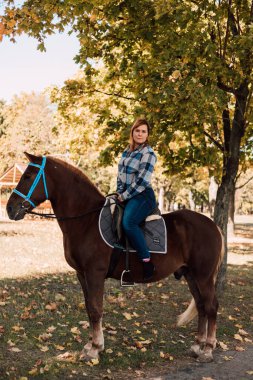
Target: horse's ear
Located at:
point(32, 158)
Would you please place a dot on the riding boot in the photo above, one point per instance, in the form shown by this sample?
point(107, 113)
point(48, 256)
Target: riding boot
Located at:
point(148, 270)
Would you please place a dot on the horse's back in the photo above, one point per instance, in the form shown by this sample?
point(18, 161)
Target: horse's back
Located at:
point(196, 236)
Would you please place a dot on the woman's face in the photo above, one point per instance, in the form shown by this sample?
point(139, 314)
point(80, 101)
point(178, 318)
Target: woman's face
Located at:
point(140, 134)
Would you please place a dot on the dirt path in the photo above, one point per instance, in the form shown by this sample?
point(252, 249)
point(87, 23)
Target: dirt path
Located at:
point(229, 365)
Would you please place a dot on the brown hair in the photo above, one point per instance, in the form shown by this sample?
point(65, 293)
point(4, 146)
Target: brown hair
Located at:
point(136, 124)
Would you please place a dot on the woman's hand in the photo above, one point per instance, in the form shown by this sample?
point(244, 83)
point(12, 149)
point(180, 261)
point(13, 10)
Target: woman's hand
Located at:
point(119, 198)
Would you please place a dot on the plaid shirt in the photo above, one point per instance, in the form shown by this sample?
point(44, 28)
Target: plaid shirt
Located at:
point(134, 171)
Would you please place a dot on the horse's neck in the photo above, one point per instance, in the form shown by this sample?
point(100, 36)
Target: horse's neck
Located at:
point(73, 194)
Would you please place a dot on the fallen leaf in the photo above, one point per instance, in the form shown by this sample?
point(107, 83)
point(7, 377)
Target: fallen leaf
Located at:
point(14, 349)
point(60, 348)
point(33, 371)
point(239, 349)
point(238, 337)
point(249, 372)
point(243, 332)
point(127, 316)
point(223, 346)
point(44, 348)
point(51, 306)
point(51, 329)
point(92, 362)
point(75, 330)
point(67, 356)
point(17, 328)
point(207, 378)
point(44, 337)
point(59, 297)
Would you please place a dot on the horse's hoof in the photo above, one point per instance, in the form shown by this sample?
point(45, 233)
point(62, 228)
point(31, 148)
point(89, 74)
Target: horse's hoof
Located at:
point(87, 347)
point(88, 356)
point(195, 351)
point(205, 358)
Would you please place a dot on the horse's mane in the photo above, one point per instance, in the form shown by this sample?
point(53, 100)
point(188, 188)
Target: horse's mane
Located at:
point(75, 172)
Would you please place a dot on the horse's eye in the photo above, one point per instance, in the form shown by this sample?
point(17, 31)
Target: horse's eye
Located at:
point(27, 175)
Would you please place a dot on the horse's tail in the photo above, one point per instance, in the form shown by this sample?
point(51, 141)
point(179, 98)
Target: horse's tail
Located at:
point(191, 312)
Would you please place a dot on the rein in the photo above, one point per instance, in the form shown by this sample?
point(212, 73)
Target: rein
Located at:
point(61, 218)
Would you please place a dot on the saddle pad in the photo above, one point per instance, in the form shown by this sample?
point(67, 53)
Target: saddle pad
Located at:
point(154, 231)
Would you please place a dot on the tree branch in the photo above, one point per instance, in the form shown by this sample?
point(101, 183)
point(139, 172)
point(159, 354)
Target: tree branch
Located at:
point(214, 141)
point(113, 94)
point(239, 187)
point(224, 87)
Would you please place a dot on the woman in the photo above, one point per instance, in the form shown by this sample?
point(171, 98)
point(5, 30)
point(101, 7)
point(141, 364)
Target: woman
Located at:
point(134, 189)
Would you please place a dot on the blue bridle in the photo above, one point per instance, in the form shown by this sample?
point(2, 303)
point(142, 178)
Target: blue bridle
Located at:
point(40, 174)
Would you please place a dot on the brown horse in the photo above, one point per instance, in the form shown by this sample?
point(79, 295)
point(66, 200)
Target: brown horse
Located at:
point(195, 247)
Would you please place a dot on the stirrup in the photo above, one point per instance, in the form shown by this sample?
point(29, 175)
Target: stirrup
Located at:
point(123, 282)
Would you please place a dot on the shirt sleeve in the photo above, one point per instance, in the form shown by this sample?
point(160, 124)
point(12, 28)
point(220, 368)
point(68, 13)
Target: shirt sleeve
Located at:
point(120, 185)
point(143, 178)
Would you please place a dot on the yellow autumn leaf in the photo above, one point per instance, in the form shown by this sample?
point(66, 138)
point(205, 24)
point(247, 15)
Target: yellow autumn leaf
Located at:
point(59, 297)
point(238, 337)
point(239, 349)
point(109, 351)
point(60, 348)
point(44, 348)
point(243, 332)
point(75, 330)
point(249, 372)
point(51, 306)
point(127, 316)
point(33, 371)
point(14, 349)
point(17, 328)
point(92, 362)
point(223, 346)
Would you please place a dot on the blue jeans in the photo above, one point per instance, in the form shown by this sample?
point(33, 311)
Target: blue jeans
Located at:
point(136, 211)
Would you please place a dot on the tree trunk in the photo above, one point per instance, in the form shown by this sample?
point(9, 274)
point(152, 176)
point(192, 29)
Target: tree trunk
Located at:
point(231, 214)
point(212, 194)
point(232, 141)
point(191, 201)
point(161, 199)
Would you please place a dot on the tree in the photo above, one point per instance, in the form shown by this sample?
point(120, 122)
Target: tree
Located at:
point(186, 65)
point(27, 126)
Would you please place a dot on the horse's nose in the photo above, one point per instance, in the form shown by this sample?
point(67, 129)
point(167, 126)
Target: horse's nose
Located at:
point(9, 209)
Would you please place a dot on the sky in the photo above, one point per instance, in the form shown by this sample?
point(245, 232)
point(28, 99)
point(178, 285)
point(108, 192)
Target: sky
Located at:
point(25, 69)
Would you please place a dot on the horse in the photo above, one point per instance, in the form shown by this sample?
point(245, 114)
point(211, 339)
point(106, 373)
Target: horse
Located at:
point(195, 248)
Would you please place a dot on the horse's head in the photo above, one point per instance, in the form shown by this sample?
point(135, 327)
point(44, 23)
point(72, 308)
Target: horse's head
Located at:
point(31, 189)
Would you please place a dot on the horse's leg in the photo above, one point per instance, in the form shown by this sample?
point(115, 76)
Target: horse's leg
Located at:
point(211, 307)
point(200, 341)
point(93, 295)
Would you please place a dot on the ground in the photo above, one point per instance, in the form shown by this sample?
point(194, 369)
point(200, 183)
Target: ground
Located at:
point(34, 247)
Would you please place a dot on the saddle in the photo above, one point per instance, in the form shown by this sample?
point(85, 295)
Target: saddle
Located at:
point(117, 211)
point(111, 231)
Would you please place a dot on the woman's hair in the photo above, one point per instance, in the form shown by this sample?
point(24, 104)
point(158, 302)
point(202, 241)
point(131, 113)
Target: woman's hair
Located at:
point(136, 124)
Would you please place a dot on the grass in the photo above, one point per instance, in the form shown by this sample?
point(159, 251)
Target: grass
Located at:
point(43, 317)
